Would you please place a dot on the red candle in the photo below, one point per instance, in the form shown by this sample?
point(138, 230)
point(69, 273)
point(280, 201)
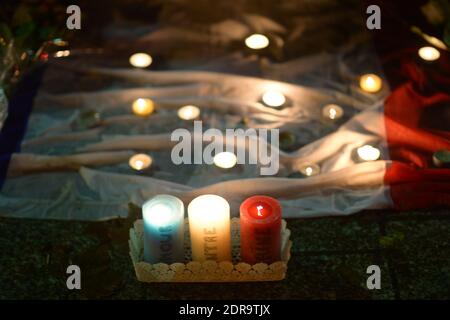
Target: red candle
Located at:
point(260, 230)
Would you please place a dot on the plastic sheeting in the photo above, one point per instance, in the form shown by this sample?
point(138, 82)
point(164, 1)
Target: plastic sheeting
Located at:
point(79, 191)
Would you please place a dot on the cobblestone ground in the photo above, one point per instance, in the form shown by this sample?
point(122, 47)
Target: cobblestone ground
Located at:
point(329, 260)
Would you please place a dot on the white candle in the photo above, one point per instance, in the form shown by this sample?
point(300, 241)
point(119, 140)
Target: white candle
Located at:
point(370, 83)
point(332, 111)
point(257, 41)
point(273, 98)
point(163, 218)
point(143, 107)
point(140, 60)
point(310, 170)
point(429, 53)
point(225, 160)
point(188, 112)
point(209, 227)
point(368, 153)
point(140, 161)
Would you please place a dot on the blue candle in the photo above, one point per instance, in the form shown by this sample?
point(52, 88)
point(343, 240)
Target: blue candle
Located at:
point(163, 218)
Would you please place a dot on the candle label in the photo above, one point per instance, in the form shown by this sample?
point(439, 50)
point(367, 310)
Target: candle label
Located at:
point(210, 243)
point(263, 238)
point(165, 243)
point(163, 218)
point(260, 229)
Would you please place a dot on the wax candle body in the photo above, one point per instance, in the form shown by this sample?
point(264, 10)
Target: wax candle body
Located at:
point(163, 218)
point(260, 219)
point(209, 227)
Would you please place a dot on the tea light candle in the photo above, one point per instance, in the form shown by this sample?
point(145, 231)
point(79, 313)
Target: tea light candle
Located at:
point(310, 170)
point(368, 153)
point(225, 160)
point(140, 60)
point(332, 111)
point(140, 161)
point(429, 53)
point(260, 220)
point(163, 218)
point(273, 98)
point(143, 107)
point(188, 112)
point(257, 41)
point(209, 227)
point(370, 83)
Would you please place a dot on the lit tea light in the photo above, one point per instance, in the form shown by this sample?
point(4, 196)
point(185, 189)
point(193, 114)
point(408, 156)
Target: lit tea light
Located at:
point(140, 161)
point(257, 41)
point(273, 98)
point(370, 83)
point(310, 170)
point(225, 160)
point(143, 107)
point(332, 111)
point(140, 60)
point(188, 112)
point(368, 153)
point(429, 53)
point(163, 218)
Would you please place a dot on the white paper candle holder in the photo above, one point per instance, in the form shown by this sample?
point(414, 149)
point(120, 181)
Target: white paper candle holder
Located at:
point(208, 271)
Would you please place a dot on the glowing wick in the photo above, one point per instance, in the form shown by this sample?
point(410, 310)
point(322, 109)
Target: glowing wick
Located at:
point(310, 170)
point(140, 161)
point(332, 111)
point(259, 208)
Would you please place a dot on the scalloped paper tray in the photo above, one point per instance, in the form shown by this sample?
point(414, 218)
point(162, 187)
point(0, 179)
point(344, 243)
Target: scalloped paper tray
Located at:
point(208, 271)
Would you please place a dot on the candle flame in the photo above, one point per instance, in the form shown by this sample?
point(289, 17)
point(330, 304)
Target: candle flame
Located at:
point(143, 107)
point(188, 112)
point(225, 160)
point(257, 41)
point(140, 161)
point(141, 60)
point(259, 208)
point(368, 153)
point(273, 98)
point(429, 53)
point(370, 83)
